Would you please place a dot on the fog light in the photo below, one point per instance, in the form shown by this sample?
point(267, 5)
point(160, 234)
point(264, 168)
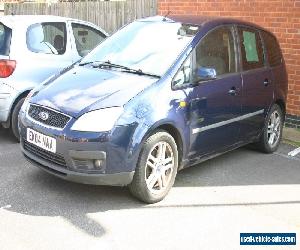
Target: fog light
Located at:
point(98, 163)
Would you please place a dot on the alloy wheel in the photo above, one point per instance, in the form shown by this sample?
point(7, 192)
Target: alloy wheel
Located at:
point(274, 129)
point(159, 167)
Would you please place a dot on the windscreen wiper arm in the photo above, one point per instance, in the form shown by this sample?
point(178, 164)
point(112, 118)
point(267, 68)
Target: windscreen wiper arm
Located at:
point(108, 64)
point(86, 63)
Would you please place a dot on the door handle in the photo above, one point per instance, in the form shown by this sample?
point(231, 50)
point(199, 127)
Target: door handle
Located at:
point(266, 82)
point(232, 91)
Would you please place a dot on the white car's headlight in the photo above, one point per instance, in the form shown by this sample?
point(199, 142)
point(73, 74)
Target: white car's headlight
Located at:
point(98, 121)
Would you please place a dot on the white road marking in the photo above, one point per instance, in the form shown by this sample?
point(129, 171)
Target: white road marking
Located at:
point(294, 152)
point(286, 156)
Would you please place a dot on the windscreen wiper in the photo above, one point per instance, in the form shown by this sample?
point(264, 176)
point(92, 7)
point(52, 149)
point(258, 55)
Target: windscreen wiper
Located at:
point(108, 64)
point(86, 63)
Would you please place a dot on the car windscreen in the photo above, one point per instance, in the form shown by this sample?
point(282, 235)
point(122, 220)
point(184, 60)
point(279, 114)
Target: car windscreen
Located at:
point(5, 37)
point(151, 47)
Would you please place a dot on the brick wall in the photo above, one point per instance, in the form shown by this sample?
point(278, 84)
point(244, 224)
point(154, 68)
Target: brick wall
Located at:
point(282, 17)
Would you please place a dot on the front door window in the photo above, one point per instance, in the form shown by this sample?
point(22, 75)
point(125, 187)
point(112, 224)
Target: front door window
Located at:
point(86, 38)
point(216, 51)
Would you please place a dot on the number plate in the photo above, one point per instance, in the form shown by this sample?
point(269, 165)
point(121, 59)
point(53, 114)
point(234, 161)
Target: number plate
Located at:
point(42, 141)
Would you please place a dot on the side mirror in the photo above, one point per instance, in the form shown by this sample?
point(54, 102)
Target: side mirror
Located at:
point(83, 53)
point(205, 74)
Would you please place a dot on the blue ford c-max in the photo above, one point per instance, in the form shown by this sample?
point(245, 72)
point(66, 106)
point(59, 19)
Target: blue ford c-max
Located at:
point(159, 95)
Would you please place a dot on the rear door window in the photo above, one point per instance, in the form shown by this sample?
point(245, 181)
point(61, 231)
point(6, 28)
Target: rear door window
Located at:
point(5, 37)
point(273, 49)
point(251, 49)
point(47, 38)
point(86, 38)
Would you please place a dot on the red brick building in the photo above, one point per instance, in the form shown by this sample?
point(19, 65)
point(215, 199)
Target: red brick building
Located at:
point(282, 17)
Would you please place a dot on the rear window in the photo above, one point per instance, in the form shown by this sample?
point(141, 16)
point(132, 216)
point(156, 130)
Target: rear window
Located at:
point(5, 37)
point(273, 49)
point(47, 38)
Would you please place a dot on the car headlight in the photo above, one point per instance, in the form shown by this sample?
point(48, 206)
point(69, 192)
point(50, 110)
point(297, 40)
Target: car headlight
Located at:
point(98, 121)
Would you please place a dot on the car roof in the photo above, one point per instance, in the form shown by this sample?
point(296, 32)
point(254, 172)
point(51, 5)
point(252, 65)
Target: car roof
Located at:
point(10, 20)
point(201, 20)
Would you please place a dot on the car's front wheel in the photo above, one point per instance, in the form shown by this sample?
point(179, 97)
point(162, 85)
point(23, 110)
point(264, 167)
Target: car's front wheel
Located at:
point(156, 168)
point(271, 136)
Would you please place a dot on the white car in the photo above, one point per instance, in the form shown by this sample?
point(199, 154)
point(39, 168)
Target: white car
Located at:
point(34, 48)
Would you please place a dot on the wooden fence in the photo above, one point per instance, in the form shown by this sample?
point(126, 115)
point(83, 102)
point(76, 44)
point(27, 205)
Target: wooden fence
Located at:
point(108, 15)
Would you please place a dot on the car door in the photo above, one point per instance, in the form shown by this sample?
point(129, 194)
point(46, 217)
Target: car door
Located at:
point(85, 38)
point(275, 61)
point(257, 83)
point(214, 104)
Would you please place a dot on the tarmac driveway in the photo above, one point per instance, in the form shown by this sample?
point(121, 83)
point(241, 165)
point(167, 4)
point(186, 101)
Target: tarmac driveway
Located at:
point(210, 205)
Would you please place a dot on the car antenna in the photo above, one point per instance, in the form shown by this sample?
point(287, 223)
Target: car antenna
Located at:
point(165, 17)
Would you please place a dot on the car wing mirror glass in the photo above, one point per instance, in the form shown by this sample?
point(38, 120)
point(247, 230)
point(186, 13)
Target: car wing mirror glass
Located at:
point(205, 74)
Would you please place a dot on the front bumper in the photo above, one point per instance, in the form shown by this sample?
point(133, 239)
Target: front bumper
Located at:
point(77, 153)
point(117, 179)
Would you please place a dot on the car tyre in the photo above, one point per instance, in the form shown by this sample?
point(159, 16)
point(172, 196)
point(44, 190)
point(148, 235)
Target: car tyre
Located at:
point(156, 168)
point(15, 119)
point(272, 133)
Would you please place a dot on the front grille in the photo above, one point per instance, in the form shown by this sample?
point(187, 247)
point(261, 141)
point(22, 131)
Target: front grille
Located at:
point(55, 119)
point(45, 155)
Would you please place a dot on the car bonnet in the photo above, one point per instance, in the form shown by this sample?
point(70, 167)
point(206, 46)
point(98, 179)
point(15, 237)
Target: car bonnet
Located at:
point(83, 89)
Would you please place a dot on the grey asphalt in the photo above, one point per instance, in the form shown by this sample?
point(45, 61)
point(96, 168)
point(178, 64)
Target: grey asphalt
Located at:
point(209, 206)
